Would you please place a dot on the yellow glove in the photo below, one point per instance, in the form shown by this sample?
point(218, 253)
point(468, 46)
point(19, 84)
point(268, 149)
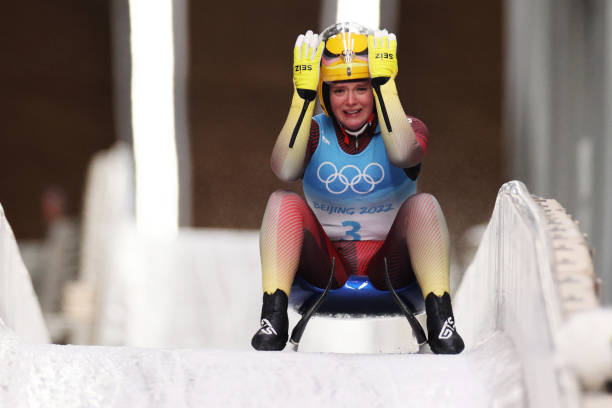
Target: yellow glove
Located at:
point(382, 58)
point(306, 64)
point(382, 55)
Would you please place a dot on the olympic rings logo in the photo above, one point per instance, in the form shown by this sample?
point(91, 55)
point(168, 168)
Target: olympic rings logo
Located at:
point(361, 182)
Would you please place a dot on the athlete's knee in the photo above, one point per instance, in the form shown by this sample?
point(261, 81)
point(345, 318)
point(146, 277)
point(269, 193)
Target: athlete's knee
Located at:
point(420, 202)
point(283, 203)
point(277, 198)
point(425, 199)
point(282, 193)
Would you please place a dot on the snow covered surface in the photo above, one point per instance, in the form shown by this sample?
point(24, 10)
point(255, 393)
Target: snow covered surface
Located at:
point(585, 345)
point(195, 293)
point(19, 308)
point(88, 376)
point(381, 334)
point(191, 292)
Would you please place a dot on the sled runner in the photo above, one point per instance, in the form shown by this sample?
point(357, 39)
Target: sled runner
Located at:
point(357, 297)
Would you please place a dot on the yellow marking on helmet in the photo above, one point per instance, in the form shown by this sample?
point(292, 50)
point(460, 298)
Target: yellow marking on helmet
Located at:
point(347, 41)
point(342, 66)
point(338, 71)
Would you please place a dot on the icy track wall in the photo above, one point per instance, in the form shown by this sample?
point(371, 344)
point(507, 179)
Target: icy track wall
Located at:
point(200, 289)
point(19, 308)
point(531, 271)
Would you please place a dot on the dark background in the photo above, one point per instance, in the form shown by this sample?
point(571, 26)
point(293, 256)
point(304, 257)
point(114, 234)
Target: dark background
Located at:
point(56, 103)
point(55, 87)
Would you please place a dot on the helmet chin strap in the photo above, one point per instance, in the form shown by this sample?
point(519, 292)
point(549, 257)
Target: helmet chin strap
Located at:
point(356, 133)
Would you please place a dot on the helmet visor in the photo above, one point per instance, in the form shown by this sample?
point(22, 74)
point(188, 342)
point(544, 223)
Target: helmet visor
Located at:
point(347, 27)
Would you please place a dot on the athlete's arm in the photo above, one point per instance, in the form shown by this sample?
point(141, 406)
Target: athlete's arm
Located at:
point(288, 163)
point(403, 147)
point(401, 142)
point(289, 153)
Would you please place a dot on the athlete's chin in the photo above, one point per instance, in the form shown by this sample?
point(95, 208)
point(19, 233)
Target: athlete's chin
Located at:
point(353, 123)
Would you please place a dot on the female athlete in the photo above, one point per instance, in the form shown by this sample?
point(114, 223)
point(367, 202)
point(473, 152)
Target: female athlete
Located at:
point(358, 162)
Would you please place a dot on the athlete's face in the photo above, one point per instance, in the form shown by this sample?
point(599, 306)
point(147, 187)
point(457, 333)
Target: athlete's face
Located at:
point(351, 102)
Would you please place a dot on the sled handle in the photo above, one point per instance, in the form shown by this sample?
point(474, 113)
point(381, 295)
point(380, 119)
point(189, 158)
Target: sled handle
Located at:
point(298, 330)
point(414, 323)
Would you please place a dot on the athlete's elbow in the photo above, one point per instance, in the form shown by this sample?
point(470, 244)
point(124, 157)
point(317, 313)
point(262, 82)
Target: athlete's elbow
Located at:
point(407, 158)
point(285, 173)
point(288, 176)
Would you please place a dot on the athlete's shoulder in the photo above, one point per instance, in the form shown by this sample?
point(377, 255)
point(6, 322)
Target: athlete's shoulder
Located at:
point(418, 125)
point(320, 124)
point(321, 119)
point(420, 131)
point(313, 140)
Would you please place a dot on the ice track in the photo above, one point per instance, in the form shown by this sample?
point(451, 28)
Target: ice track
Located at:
point(509, 308)
point(82, 376)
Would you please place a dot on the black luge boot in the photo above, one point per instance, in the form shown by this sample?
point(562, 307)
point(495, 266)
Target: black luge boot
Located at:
point(441, 330)
point(273, 333)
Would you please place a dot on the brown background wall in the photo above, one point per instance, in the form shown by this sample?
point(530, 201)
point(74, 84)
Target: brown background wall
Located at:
point(241, 87)
point(57, 109)
point(451, 77)
point(55, 102)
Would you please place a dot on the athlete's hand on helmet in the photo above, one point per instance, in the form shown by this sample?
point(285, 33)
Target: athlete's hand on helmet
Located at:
point(382, 54)
point(306, 61)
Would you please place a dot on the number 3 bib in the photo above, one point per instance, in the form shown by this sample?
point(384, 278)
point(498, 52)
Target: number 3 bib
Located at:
point(354, 196)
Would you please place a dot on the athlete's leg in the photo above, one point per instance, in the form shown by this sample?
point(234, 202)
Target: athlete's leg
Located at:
point(426, 234)
point(420, 227)
point(291, 240)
